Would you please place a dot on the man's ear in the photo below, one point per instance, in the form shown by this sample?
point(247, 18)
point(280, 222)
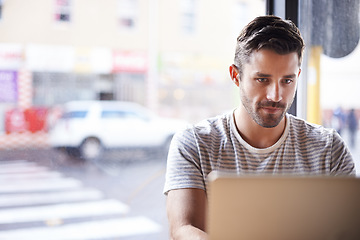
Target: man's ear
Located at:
point(234, 74)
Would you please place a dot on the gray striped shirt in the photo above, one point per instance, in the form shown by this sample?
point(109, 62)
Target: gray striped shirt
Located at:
point(215, 145)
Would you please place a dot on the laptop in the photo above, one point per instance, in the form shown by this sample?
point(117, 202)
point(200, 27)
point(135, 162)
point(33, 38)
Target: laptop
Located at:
point(283, 207)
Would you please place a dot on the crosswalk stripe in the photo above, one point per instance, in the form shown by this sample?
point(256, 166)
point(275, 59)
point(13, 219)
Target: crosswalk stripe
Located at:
point(14, 161)
point(62, 211)
point(39, 185)
point(29, 175)
point(22, 169)
point(33, 193)
point(11, 200)
point(113, 228)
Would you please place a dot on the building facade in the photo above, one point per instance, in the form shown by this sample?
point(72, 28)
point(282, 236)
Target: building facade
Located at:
point(171, 56)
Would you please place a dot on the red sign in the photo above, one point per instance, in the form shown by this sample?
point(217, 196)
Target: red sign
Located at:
point(32, 120)
point(129, 61)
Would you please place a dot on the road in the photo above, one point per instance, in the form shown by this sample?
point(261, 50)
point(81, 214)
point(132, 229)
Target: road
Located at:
point(46, 195)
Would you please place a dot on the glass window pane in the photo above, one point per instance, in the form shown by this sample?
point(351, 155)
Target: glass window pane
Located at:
point(84, 173)
point(331, 30)
point(75, 114)
point(63, 10)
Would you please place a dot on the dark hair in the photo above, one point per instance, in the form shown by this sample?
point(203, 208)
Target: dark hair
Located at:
point(268, 32)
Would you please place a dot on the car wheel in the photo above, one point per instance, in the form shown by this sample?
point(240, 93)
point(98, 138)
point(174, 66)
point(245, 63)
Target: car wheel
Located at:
point(91, 149)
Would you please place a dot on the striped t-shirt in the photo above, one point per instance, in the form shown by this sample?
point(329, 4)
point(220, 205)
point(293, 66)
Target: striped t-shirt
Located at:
point(215, 145)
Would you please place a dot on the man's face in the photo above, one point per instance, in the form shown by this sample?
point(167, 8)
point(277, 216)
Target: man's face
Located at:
point(268, 85)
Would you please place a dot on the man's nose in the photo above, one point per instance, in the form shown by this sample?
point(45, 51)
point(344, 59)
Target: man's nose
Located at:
point(274, 93)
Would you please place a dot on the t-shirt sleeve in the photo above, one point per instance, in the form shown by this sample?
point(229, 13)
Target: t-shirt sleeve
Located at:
point(183, 165)
point(342, 160)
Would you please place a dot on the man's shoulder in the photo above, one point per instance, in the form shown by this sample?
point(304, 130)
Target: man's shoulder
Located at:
point(217, 125)
point(303, 127)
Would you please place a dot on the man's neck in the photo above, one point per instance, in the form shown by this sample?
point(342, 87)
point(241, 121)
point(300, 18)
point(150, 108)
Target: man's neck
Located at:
point(254, 134)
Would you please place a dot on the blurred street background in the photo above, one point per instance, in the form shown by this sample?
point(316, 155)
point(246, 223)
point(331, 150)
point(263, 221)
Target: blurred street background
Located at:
point(171, 57)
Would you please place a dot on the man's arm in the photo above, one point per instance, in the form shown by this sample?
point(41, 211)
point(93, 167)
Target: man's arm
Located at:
point(186, 210)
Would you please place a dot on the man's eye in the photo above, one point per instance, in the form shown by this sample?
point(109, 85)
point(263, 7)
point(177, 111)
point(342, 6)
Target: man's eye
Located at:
point(261, 80)
point(288, 81)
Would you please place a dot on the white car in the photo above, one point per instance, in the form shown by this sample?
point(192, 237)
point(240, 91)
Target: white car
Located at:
point(89, 127)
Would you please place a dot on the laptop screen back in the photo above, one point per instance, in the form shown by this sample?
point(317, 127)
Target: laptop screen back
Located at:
point(283, 208)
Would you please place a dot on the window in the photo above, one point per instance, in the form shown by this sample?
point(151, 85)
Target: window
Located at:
point(128, 14)
point(188, 16)
point(63, 10)
point(112, 114)
point(81, 176)
point(75, 114)
point(331, 31)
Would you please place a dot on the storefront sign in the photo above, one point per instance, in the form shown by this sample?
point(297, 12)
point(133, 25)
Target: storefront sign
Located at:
point(8, 89)
point(11, 56)
point(130, 61)
point(50, 58)
point(93, 60)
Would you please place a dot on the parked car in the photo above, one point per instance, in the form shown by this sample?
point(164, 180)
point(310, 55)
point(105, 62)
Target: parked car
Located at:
point(89, 127)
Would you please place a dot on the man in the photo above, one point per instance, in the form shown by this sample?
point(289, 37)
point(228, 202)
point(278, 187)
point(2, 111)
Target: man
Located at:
point(258, 136)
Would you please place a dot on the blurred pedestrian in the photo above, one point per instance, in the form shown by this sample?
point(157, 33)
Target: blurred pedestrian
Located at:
point(338, 120)
point(352, 124)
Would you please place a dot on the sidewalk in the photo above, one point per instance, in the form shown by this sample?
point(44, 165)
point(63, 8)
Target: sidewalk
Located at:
point(23, 140)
